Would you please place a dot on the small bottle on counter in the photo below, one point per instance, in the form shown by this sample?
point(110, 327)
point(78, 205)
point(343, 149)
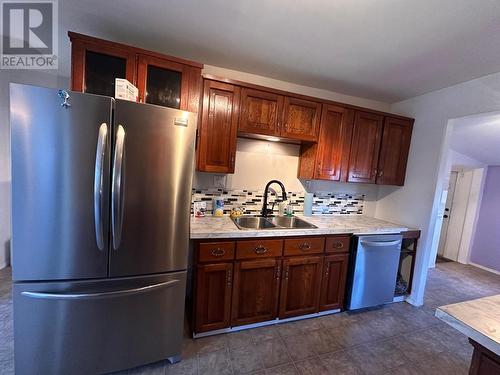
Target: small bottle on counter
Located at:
point(218, 206)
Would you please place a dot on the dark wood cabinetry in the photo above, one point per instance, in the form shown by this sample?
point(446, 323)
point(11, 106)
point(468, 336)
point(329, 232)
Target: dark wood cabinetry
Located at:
point(339, 142)
point(328, 159)
point(213, 296)
point(300, 286)
point(255, 280)
point(300, 119)
point(161, 79)
point(268, 113)
point(218, 127)
point(260, 112)
point(365, 147)
point(394, 151)
point(255, 291)
point(333, 282)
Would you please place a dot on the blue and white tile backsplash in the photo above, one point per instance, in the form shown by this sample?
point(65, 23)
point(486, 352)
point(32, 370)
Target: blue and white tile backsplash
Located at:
point(324, 203)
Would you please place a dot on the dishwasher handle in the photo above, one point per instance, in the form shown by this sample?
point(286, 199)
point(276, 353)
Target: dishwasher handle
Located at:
point(380, 243)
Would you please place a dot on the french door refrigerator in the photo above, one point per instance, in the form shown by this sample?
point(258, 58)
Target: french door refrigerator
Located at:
point(101, 192)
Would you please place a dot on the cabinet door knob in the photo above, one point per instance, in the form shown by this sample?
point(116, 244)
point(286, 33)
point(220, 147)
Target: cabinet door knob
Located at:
point(218, 252)
point(229, 278)
point(261, 249)
point(304, 246)
point(381, 173)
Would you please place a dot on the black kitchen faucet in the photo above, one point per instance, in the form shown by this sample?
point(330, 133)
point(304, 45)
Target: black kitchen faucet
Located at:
point(265, 211)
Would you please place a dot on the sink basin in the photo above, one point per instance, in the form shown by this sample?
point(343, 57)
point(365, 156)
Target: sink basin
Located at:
point(279, 222)
point(290, 222)
point(252, 222)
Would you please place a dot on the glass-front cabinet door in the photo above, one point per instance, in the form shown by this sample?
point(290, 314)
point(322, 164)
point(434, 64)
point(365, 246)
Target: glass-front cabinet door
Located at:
point(95, 67)
point(162, 82)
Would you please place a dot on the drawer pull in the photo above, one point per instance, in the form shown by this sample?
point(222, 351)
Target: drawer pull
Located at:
point(338, 245)
point(261, 249)
point(305, 246)
point(218, 252)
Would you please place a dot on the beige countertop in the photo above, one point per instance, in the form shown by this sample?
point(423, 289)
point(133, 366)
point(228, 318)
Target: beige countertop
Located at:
point(479, 319)
point(223, 227)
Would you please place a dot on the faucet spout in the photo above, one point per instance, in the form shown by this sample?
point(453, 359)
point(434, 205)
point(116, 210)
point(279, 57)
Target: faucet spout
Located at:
point(265, 211)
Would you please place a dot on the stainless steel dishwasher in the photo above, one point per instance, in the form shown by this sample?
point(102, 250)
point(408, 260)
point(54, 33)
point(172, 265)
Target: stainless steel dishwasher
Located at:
point(373, 270)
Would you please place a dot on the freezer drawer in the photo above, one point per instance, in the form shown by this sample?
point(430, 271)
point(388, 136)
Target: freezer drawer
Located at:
point(374, 270)
point(99, 326)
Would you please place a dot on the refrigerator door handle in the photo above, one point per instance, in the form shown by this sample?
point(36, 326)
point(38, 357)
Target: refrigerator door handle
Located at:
point(98, 184)
point(117, 188)
point(114, 293)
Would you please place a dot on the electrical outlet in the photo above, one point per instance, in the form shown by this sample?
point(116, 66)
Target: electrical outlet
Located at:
point(219, 181)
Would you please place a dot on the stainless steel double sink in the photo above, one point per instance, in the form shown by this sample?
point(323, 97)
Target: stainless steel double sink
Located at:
point(277, 222)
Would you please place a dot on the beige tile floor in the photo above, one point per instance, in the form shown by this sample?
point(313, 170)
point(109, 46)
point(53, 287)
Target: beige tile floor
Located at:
point(395, 339)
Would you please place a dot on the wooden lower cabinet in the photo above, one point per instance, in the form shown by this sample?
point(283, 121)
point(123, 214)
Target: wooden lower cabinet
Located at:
point(256, 280)
point(213, 296)
point(255, 291)
point(333, 282)
point(300, 286)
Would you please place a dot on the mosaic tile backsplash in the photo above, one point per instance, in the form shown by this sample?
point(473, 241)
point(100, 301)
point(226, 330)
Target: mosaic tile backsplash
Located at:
point(324, 203)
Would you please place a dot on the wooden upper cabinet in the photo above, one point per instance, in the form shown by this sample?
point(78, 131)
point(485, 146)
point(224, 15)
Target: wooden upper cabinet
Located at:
point(301, 119)
point(394, 151)
point(255, 291)
point(260, 112)
point(300, 286)
point(94, 66)
point(162, 80)
point(365, 147)
point(218, 127)
point(328, 160)
point(334, 282)
point(213, 296)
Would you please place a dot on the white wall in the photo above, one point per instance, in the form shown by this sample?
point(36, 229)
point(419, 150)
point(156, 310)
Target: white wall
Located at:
point(415, 203)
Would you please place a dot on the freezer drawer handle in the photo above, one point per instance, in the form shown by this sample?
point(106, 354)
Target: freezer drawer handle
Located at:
point(98, 183)
point(381, 243)
point(117, 188)
point(115, 293)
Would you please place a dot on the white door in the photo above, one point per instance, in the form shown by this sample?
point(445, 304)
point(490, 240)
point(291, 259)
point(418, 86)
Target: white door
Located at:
point(447, 212)
point(457, 215)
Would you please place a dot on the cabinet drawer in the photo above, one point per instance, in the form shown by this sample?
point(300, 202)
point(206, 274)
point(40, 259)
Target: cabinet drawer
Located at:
point(258, 249)
point(337, 244)
point(216, 251)
point(304, 245)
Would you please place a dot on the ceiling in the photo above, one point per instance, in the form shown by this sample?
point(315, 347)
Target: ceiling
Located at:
point(478, 137)
point(386, 50)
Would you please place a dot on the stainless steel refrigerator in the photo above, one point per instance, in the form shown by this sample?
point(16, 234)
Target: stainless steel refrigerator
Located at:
point(101, 192)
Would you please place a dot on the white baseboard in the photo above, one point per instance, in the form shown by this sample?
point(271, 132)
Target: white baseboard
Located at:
point(3, 265)
point(485, 268)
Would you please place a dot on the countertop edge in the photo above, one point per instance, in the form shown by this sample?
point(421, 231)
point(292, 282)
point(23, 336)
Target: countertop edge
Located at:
point(293, 233)
point(467, 330)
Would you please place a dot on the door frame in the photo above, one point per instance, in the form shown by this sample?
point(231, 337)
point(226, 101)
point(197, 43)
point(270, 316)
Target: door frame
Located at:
point(427, 256)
